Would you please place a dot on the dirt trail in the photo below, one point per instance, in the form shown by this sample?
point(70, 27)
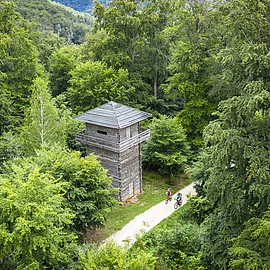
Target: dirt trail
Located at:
point(147, 220)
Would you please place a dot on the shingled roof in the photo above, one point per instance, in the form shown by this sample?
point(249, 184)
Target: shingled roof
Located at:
point(113, 115)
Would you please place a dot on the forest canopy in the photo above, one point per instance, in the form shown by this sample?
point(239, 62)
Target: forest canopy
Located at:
point(200, 67)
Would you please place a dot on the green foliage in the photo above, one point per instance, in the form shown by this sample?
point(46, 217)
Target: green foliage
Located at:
point(93, 83)
point(239, 174)
point(6, 111)
point(177, 248)
point(251, 248)
point(198, 209)
point(120, 40)
point(33, 221)
point(62, 61)
point(191, 37)
point(237, 143)
point(218, 230)
point(43, 125)
point(218, 53)
point(167, 150)
point(18, 66)
point(56, 18)
point(200, 171)
point(10, 147)
point(155, 50)
point(111, 256)
point(242, 160)
point(46, 43)
point(89, 195)
point(71, 126)
point(121, 23)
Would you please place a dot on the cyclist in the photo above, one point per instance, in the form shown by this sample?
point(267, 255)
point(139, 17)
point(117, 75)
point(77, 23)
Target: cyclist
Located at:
point(179, 197)
point(169, 194)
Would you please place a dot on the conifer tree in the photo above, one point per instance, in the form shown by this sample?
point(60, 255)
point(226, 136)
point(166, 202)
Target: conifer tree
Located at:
point(238, 142)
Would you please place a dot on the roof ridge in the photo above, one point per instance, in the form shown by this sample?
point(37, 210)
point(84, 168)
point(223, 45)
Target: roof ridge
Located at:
point(115, 113)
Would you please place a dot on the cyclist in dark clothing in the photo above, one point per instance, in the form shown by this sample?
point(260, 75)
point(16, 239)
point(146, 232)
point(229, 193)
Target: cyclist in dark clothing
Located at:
point(179, 196)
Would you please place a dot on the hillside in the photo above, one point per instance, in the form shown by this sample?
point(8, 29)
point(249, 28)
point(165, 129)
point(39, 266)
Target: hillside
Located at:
point(80, 5)
point(50, 16)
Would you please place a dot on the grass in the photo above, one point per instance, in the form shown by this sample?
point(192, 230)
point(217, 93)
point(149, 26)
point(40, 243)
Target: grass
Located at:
point(154, 191)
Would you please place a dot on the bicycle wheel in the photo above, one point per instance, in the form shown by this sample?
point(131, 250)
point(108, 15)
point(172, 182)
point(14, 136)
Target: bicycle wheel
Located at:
point(166, 201)
point(176, 205)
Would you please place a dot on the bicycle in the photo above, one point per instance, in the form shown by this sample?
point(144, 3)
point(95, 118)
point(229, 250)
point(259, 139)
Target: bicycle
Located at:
point(178, 203)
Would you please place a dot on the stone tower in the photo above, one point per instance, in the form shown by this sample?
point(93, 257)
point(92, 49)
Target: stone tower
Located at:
point(113, 133)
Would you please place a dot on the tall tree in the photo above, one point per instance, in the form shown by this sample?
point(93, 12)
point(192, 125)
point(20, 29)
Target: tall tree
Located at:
point(18, 64)
point(154, 55)
point(117, 40)
point(238, 142)
point(121, 25)
point(62, 61)
point(192, 48)
point(43, 125)
point(93, 83)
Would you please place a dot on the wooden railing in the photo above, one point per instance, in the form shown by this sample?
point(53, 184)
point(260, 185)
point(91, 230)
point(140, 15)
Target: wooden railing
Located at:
point(83, 138)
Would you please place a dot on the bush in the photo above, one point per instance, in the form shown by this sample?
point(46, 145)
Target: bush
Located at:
point(111, 256)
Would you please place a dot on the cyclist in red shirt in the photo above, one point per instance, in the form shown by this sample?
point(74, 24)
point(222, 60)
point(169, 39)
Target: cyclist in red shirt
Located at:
point(169, 194)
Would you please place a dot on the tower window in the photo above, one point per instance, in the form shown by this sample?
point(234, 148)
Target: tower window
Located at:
point(102, 132)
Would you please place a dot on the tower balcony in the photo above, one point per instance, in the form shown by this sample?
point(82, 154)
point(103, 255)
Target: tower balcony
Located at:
point(108, 142)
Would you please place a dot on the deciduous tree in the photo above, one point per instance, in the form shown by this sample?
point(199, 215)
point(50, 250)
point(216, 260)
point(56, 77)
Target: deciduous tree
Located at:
point(33, 221)
point(192, 50)
point(62, 62)
point(93, 83)
point(167, 150)
point(18, 64)
point(111, 256)
point(90, 194)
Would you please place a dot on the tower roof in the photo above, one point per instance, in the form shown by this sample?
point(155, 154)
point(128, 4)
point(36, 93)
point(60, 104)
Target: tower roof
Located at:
point(113, 115)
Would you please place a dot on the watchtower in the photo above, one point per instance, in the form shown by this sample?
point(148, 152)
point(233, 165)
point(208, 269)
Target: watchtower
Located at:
point(113, 133)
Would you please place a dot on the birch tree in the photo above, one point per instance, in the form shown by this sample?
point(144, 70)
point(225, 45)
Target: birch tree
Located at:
point(43, 124)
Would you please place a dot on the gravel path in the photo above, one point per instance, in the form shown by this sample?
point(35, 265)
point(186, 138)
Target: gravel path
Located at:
point(147, 220)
